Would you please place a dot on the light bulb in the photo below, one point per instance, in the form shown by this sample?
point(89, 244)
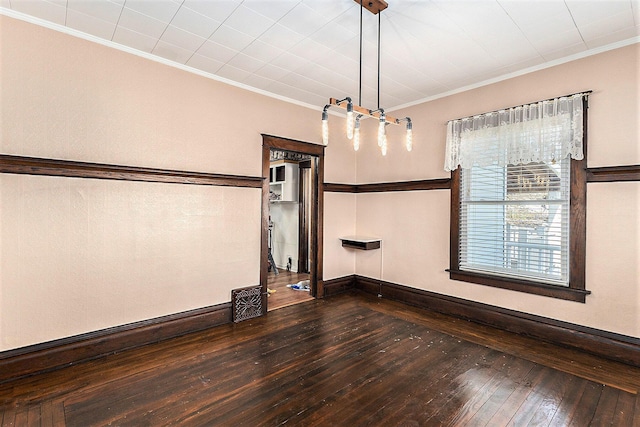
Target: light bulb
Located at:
point(383, 149)
point(356, 136)
point(381, 130)
point(349, 120)
point(325, 128)
point(409, 137)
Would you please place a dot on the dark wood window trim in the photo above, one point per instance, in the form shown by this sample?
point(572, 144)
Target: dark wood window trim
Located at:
point(67, 168)
point(526, 286)
point(576, 290)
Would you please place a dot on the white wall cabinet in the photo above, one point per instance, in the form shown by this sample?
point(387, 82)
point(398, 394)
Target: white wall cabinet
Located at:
point(283, 182)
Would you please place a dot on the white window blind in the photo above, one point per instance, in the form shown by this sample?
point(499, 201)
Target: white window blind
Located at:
point(514, 221)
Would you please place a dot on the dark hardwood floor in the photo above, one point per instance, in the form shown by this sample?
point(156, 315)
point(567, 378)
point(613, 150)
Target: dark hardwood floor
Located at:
point(349, 360)
point(284, 296)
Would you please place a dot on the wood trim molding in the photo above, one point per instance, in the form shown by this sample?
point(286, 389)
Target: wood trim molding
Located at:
point(578, 213)
point(339, 285)
point(380, 187)
point(57, 354)
point(527, 286)
point(287, 144)
point(614, 173)
point(605, 344)
point(425, 184)
point(67, 168)
point(340, 188)
point(599, 174)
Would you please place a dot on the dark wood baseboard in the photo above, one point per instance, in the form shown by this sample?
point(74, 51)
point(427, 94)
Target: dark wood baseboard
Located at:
point(339, 285)
point(57, 354)
point(606, 344)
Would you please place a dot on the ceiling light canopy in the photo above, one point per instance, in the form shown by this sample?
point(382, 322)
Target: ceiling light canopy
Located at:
point(353, 123)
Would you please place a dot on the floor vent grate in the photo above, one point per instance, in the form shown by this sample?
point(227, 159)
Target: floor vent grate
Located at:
point(246, 303)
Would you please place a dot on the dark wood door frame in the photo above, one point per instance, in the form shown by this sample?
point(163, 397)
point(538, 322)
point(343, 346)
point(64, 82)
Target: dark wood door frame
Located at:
point(270, 142)
point(303, 216)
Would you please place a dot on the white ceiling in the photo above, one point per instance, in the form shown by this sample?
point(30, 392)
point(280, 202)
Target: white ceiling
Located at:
point(308, 50)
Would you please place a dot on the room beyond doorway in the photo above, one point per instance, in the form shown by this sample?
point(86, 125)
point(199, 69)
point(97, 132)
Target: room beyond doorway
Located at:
point(283, 291)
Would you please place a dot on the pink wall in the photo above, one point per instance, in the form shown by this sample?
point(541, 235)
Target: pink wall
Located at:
point(80, 255)
point(77, 255)
point(415, 225)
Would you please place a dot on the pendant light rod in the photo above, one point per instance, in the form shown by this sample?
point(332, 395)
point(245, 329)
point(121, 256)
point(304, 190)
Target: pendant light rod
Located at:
point(379, 17)
point(360, 76)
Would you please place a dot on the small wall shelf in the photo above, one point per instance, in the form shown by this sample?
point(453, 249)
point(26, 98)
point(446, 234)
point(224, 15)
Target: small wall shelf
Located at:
point(361, 242)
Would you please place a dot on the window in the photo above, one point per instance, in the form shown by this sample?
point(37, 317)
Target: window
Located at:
point(518, 199)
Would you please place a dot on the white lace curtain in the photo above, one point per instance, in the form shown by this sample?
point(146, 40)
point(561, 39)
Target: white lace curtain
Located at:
point(545, 131)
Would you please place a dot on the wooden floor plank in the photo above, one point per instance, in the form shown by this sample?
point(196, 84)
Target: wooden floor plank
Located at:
point(536, 402)
point(399, 362)
point(34, 416)
point(554, 399)
point(344, 353)
point(22, 417)
point(521, 390)
point(8, 417)
point(603, 415)
point(570, 404)
point(623, 415)
point(514, 374)
point(636, 412)
point(467, 392)
point(347, 360)
point(436, 350)
point(46, 414)
point(588, 404)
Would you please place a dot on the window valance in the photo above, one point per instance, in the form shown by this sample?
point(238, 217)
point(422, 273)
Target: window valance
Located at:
point(545, 131)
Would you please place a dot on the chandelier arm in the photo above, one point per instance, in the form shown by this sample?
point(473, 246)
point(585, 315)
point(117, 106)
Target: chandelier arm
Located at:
point(364, 111)
point(340, 101)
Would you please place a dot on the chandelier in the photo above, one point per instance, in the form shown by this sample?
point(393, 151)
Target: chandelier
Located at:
point(357, 112)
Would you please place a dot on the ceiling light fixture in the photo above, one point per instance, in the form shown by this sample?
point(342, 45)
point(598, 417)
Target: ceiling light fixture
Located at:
point(353, 124)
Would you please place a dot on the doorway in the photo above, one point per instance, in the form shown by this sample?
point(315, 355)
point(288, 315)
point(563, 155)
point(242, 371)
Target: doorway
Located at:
point(291, 256)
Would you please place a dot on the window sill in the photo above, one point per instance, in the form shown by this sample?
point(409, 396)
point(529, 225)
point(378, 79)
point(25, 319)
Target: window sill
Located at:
point(570, 294)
